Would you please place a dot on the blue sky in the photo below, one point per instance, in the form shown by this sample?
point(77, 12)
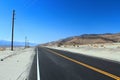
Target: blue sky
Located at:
point(48, 20)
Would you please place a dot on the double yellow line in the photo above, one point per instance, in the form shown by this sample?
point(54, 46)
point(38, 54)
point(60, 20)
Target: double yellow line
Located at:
point(86, 65)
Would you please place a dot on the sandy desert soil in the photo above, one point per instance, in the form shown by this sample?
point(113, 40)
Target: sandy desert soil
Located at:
point(16, 64)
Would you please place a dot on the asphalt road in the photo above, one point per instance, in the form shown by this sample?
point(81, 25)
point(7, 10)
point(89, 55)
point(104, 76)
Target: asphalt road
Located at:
point(63, 65)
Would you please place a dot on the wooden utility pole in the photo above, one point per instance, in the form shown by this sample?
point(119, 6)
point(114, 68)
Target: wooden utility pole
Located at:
point(25, 42)
point(13, 17)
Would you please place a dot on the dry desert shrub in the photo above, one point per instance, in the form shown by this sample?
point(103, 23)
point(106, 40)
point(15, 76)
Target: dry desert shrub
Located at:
point(112, 44)
point(2, 49)
point(77, 45)
point(95, 46)
point(91, 44)
point(102, 45)
point(118, 47)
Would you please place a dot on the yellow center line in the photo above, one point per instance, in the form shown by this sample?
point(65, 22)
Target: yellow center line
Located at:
point(87, 66)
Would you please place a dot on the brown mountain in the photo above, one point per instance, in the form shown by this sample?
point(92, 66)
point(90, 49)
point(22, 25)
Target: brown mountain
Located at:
point(87, 39)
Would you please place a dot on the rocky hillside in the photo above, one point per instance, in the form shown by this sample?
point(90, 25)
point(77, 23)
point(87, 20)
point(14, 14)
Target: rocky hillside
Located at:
point(87, 39)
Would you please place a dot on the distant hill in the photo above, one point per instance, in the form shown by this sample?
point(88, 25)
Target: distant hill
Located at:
point(8, 43)
point(87, 39)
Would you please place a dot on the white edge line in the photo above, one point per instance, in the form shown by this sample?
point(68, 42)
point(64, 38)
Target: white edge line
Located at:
point(38, 70)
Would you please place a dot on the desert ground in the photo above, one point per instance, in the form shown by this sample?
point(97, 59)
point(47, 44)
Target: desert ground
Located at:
point(15, 65)
point(110, 51)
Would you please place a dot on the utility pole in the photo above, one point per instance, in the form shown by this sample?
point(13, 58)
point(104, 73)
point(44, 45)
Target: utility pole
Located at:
point(25, 42)
point(13, 17)
point(28, 44)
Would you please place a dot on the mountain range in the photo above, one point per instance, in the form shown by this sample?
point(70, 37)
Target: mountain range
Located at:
point(16, 43)
point(87, 39)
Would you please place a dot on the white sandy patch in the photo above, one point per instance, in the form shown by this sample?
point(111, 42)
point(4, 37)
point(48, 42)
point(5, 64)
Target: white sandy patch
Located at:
point(107, 51)
point(16, 67)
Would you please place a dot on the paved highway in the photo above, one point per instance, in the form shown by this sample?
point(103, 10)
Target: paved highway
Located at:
point(63, 65)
